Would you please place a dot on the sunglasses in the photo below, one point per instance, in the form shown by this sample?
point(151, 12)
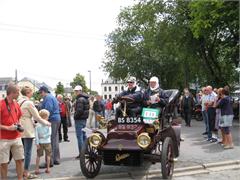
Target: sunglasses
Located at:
point(129, 82)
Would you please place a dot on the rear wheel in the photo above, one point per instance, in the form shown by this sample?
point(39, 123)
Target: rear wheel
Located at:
point(167, 157)
point(198, 117)
point(90, 161)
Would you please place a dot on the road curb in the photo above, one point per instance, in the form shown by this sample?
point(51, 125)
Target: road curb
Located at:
point(185, 171)
point(223, 163)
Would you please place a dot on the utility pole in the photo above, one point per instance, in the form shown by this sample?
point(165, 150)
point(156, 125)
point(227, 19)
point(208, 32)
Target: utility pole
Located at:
point(90, 83)
point(16, 76)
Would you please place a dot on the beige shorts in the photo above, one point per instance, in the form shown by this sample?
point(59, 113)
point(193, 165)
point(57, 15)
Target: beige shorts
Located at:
point(44, 147)
point(13, 145)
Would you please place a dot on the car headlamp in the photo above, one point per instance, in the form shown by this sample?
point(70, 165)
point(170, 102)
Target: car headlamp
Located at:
point(95, 140)
point(143, 140)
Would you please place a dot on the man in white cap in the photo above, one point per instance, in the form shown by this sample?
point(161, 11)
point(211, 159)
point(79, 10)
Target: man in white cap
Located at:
point(133, 92)
point(80, 116)
point(154, 95)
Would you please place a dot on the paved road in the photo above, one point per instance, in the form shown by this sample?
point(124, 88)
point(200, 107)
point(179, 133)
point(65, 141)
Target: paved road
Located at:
point(194, 151)
point(219, 175)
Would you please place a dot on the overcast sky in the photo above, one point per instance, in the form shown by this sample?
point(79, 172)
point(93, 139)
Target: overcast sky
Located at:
point(52, 40)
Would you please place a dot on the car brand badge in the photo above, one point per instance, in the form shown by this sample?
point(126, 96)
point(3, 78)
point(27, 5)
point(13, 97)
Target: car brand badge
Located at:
point(119, 157)
point(120, 146)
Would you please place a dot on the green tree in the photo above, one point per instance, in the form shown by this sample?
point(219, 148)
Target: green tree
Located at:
point(144, 45)
point(36, 96)
point(94, 93)
point(215, 25)
point(59, 89)
point(179, 41)
point(79, 80)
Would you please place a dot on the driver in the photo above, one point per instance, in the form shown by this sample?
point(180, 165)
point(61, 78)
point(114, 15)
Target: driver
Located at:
point(154, 96)
point(133, 92)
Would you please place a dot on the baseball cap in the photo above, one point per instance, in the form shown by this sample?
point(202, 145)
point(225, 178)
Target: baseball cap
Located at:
point(43, 88)
point(78, 88)
point(131, 79)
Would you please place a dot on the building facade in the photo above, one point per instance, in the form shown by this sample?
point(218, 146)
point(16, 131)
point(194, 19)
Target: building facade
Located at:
point(33, 84)
point(111, 87)
point(3, 86)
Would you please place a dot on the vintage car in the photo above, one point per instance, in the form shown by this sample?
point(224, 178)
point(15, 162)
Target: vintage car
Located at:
point(132, 140)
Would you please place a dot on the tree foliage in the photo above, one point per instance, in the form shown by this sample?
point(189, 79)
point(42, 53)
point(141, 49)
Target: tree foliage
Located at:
point(59, 89)
point(36, 96)
point(178, 41)
point(79, 80)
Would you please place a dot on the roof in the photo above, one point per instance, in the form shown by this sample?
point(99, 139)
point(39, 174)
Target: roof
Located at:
point(5, 80)
point(111, 80)
point(37, 83)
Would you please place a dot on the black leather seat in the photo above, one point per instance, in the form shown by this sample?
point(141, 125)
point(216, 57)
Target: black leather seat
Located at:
point(173, 97)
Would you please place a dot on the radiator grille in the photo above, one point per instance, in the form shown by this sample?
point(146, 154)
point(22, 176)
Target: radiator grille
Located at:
point(126, 158)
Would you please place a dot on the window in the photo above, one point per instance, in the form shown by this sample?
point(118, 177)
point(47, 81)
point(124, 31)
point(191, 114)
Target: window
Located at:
point(1, 87)
point(105, 96)
point(122, 88)
point(110, 96)
point(116, 89)
point(109, 89)
point(105, 88)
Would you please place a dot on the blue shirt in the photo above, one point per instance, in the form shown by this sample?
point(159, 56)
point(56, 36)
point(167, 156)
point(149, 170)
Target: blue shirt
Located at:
point(50, 103)
point(43, 134)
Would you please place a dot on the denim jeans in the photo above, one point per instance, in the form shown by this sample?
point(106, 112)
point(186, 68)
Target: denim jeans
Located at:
point(211, 120)
point(81, 135)
point(27, 145)
point(205, 119)
point(55, 141)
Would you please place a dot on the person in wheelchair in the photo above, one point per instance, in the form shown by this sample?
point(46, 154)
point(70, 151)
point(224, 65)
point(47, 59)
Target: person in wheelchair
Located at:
point(154, 96)
point(133, 97)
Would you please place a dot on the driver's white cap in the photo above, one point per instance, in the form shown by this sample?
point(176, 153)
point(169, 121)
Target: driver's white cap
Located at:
point(131, 79)
point(78, 88)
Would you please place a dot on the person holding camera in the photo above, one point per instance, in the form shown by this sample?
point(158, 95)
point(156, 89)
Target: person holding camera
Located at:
point(10, 132)
point(30, 114)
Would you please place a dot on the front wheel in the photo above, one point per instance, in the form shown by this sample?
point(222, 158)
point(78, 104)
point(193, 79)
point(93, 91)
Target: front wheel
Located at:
point(167, 156)
point(90, 161)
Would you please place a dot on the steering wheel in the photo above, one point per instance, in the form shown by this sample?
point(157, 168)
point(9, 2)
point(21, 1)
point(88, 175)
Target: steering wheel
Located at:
point(127, 99)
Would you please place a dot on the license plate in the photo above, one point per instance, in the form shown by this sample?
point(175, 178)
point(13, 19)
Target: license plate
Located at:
point(129, 120)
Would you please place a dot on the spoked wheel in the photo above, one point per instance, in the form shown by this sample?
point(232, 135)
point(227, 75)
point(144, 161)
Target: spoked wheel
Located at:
point(90, 161)
point(167, 161)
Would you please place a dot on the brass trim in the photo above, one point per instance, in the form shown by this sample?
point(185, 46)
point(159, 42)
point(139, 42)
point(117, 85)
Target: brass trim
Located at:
point(148, 137)
point(90, 139)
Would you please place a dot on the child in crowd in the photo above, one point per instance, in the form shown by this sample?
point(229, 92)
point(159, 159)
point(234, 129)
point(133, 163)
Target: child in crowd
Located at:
point(43, 141)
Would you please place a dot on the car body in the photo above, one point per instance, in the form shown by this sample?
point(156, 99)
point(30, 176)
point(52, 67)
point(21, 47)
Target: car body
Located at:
point(130, 141)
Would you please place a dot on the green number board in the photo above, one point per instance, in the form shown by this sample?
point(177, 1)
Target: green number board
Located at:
point(150, 115)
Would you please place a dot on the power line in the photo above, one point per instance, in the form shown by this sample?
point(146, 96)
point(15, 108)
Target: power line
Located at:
point(44, 76)
point(35, 30)
point(47, 29)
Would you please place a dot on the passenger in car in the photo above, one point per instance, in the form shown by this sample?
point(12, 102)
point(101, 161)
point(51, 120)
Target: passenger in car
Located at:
point(154, 96)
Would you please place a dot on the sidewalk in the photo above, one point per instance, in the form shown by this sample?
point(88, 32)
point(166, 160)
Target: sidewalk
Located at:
point(194, 151)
